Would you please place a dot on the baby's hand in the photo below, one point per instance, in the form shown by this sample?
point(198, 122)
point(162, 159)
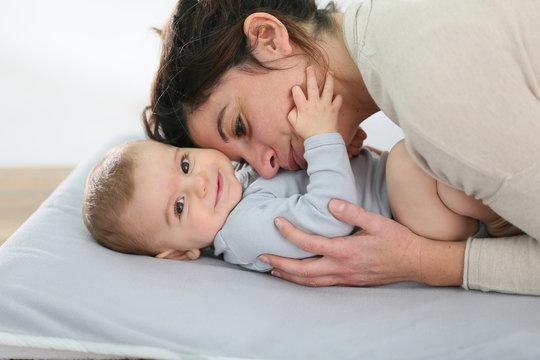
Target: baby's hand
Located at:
point(318, 114)
point(355, 146)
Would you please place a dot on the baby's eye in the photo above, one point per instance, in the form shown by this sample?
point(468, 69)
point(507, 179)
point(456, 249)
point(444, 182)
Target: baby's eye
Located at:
point(185, 165)
point(179, 206)
point(239, 127)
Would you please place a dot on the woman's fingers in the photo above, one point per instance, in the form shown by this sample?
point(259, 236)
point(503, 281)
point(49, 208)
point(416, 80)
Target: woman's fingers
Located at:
point(355, 215)
point(314, 244)
point(315, 271)
point(384, 251)
point(324, 280)
point(289, 269)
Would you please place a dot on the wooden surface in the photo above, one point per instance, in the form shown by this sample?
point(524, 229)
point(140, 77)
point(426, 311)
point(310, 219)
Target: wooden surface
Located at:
point(22, 190)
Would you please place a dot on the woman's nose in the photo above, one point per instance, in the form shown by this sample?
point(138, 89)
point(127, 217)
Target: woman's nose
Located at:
point(265, 161)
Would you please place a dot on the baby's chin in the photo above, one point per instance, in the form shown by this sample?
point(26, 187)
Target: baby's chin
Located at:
point(236, 191)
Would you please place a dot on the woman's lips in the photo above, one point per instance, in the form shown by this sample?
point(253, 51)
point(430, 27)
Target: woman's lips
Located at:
point(295, 161)
point(292, 163)
point(219, 188)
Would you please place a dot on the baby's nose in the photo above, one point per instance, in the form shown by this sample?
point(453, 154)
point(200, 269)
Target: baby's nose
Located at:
point(201, 184)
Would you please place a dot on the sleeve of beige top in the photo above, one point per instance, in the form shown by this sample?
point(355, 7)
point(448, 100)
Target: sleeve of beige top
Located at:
point(508, 265)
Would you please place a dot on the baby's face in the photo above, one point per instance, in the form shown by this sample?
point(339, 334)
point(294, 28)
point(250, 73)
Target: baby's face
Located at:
point(182, 196)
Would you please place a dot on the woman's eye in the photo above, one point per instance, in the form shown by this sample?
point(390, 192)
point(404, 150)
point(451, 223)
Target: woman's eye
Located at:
point(185, 165)
point(239, 127)
point(179, 207)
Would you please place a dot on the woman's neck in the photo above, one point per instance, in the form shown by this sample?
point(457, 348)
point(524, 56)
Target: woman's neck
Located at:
point(358, 104)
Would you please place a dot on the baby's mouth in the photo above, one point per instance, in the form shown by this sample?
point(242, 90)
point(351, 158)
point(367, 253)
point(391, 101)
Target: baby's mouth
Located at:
point(219, 188)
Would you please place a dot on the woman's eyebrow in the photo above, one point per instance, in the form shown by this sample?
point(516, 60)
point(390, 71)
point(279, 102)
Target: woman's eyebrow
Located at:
point(220, 125)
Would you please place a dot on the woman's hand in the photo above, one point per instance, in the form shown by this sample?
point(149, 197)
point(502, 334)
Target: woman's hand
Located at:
point(383, 252)
point(315, 113)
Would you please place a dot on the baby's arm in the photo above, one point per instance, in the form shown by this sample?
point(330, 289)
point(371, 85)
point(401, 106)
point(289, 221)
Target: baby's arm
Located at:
point(329, 168)
point(250, 230)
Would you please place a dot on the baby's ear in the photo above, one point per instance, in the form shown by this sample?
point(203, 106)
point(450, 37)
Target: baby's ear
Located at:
point(180, 254)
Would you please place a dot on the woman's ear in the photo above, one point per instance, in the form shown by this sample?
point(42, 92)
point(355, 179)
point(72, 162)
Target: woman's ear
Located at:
point(267, 36)
point(180, 254)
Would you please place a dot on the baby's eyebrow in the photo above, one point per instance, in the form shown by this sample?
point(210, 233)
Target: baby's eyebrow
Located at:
point(167, 212)
point(220, 125)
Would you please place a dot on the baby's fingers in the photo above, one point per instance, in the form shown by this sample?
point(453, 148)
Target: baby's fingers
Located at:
point(338, 100)
point(328, 91)
point(298, 96)
point(311, 83)
point(293, 116)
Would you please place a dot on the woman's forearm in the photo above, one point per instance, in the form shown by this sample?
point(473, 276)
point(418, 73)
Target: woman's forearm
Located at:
point(441, 262)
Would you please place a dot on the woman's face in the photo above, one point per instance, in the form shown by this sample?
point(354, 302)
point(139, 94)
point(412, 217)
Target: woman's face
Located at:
point(246, 118)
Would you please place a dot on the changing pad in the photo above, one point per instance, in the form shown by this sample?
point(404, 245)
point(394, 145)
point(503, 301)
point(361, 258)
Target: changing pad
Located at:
point(65, 296)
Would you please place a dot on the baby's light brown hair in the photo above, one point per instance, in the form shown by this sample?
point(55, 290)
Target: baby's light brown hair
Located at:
point(108, 191)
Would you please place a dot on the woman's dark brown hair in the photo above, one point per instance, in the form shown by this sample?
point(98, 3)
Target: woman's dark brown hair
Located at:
point(203, 40)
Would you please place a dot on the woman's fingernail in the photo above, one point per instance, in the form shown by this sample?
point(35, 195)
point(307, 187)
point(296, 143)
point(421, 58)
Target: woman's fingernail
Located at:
point(264, 259)
point(275, 273)
point(277, 222)
point(337, 205)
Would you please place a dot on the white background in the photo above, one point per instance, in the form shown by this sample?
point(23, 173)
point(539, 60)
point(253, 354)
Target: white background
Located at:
point(75, 73)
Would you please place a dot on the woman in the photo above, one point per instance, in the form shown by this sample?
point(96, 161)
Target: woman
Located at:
point(459, 77)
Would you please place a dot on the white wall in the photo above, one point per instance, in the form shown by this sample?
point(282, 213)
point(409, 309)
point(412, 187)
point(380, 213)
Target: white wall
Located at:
point(75, 73)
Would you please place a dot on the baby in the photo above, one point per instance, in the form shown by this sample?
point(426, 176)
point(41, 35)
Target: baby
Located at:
point(149, 198)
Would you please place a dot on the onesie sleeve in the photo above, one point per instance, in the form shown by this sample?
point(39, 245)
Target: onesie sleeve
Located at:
point(250, 230)
point(330, 177)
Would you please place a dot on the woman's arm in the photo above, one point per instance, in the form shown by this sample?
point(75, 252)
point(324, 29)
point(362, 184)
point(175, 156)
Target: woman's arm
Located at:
point(386, 252)
point(383, 252)
point(509, 265)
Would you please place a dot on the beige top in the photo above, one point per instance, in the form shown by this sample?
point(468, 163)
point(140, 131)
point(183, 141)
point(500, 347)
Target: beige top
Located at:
point(462, 80)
